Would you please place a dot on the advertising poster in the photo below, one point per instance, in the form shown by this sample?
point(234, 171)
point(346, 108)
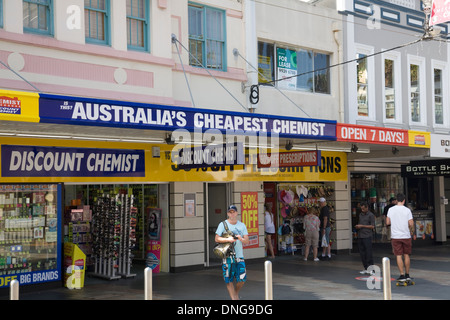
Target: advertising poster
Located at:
point(249, 209)
point(286, 68)
point(153, 248)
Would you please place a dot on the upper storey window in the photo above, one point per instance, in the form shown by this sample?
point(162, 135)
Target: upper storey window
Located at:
point(37, 16)
point(207, 37)
point(96, 21)
point(137, 24)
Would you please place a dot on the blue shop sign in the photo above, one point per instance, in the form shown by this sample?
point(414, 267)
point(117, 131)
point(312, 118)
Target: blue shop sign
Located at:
point(41, 161)
point(95, 112)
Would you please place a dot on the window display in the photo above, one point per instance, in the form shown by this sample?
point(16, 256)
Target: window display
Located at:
point(29, 232)
point(376, 189)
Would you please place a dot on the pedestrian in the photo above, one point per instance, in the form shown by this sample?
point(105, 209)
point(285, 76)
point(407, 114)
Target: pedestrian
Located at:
point(325, 228)
point(400, 218)
point(387, 230)
point(269, 228)
point(365, 227)
point(233, 267)
point(312, 226)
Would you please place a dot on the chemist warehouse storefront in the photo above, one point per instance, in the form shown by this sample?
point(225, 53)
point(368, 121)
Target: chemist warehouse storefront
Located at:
point(57, 189)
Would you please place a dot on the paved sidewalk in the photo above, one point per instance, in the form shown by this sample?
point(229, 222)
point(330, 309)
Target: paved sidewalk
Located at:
point(293, 279)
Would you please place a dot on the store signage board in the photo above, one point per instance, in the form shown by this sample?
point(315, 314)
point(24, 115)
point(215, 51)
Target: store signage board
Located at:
point(440, 12)
point(41, 161)
point(370, 134)
point(209, 156)
point(289, 159)
point(426, 168)
point(19, 106)
point(440, 146)
point(94, 112)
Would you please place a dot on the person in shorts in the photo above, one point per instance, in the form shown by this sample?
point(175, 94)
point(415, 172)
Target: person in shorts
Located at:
point(312, 225)
point(233, 267)
point(399, 217)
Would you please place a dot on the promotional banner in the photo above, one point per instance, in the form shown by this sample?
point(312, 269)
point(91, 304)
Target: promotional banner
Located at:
point(83, 111)
point(249, 211)
point(370, 134)
point(153, 251)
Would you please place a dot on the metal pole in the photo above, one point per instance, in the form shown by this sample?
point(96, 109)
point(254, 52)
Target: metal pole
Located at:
point(268, 280)
point(148, 284)
point(387, 279)
point(14, 290)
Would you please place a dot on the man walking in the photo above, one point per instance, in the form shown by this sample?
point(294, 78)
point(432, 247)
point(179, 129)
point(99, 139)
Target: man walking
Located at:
point(365, 228)
point(233, 267)
point(399, 217)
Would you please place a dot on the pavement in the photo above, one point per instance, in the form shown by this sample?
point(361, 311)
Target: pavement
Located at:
point(293, 279)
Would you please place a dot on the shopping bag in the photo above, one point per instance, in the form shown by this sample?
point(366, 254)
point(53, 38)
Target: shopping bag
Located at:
point(324, 242)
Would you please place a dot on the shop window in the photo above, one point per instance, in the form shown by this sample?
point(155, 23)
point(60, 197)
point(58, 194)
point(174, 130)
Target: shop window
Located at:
point(420, 199)
point(293, 200)
point(296, 69)
point(376, 189)
point(37, 16)
point(362, 83)
point(29, 233)
point(96, 21)
point(266, 63)
point(415, 92)
point(137, 24)
point(85, 197)
point(207, 45)
point(389, 89)
point(438, 110)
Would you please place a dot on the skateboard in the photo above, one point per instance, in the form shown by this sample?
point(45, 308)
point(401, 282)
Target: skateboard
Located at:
point(405, 283)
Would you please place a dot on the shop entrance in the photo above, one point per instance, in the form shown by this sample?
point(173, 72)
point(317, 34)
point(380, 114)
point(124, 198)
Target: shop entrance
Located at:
point(149, 230)
point(217, 199)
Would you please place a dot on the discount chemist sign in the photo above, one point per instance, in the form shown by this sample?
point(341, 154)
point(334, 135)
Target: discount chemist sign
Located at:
point(41, 161)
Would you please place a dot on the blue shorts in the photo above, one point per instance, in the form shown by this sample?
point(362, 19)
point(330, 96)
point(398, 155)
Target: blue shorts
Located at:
point(234, 270)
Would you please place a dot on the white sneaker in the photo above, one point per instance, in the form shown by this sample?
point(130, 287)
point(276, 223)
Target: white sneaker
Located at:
point(316, 259)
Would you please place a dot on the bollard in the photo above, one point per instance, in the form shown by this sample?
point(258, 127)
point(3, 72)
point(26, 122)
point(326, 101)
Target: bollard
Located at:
point(14, 290)
point(268, 280)
point(387, 279)
point(148, 283)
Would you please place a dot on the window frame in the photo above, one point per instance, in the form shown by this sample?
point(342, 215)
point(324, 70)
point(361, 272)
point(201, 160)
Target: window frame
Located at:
point(275, 68)
point(49, 15)
point(371, 93)
point(396, 57)
point(435, 64)
point(146, 29)
point(420, 62)
point(204, 38)
point(106, 27)
point(1, 13)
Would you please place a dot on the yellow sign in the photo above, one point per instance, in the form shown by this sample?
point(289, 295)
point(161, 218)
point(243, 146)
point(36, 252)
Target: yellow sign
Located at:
point(74, 265)
point(419, 139)
point(333, 166)
point(19, 106)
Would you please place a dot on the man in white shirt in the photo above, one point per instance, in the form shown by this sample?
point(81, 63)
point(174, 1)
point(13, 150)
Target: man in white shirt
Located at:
point(399, 217)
